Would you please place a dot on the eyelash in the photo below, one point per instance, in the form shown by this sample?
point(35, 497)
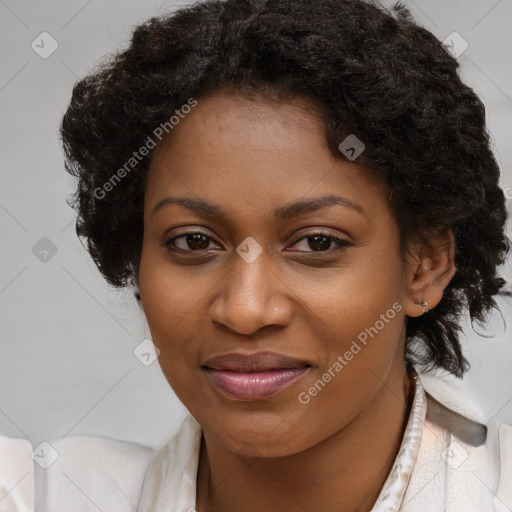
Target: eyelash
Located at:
point(341, 243)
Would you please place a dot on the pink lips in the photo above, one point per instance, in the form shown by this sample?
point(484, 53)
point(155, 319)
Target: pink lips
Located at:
point(254, 376)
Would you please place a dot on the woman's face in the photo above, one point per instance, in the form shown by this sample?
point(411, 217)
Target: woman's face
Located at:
point(264, 269)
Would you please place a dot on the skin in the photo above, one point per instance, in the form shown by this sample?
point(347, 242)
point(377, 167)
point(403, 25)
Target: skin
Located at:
point(250, 156)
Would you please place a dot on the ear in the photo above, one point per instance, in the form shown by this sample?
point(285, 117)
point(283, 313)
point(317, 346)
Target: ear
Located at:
point(431, 266)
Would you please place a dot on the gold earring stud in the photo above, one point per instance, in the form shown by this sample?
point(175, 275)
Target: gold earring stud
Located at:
point(423, 303)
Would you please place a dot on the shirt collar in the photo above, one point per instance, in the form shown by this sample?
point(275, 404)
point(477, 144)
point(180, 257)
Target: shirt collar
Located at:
point(392, 494)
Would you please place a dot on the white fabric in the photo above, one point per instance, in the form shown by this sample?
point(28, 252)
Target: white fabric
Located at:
point(503, 499)
point(392, 494)
point(94, 472)
point(453, 476)
point(16, 475)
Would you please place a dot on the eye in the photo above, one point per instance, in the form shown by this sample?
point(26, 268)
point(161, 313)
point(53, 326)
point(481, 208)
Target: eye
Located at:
point(192, 242)
point(321, 242)
point(314, 242)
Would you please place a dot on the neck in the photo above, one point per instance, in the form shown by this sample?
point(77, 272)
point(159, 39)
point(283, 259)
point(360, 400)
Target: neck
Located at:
point(344, 472)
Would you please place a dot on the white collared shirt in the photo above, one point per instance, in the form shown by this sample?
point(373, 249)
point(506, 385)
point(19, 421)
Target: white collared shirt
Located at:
point(436, 470)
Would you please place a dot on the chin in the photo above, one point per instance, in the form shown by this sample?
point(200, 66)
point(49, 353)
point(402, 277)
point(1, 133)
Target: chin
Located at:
point(252, 438)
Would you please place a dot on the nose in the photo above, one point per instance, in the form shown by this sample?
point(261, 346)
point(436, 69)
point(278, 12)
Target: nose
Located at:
point(251, 296)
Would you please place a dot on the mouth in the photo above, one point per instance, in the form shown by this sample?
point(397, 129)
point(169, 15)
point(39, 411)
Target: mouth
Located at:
point(255, 376)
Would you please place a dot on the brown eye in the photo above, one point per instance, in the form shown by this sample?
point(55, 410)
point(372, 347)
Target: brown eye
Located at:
point(321, 242)
point(192, 242)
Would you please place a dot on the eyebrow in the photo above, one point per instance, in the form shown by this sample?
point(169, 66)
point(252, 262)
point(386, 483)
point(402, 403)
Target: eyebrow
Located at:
point(284, 212)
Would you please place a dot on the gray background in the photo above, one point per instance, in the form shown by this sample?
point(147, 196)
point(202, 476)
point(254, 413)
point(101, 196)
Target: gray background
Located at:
point(67, 364)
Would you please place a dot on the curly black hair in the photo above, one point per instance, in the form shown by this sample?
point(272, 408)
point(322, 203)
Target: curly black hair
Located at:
point(372, 71)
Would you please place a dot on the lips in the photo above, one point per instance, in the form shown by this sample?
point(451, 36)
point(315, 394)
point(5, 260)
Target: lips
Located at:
point(254, 376)
point(257, 362)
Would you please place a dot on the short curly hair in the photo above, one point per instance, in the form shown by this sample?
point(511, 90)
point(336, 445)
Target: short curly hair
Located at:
point(371, 70)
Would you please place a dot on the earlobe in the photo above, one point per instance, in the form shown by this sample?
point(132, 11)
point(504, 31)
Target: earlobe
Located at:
point(429, 274)
point(423, 304)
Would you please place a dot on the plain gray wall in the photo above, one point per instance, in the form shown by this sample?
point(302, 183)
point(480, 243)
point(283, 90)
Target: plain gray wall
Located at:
point(67, 363)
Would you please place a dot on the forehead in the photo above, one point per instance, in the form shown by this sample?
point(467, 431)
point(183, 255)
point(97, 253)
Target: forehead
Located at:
point(251, 151)
point(251, 120)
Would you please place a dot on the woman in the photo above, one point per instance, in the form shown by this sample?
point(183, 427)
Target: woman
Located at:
point(304, 194)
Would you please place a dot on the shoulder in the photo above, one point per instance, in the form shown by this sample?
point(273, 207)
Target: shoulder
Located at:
point(465, 458)
point(103, 451)
point(16, 475)
point(86, 472)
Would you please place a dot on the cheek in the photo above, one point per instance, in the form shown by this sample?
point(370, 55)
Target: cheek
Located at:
point(346, 301)
point(357, 316)
point(170, 304)
point(361, 342)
